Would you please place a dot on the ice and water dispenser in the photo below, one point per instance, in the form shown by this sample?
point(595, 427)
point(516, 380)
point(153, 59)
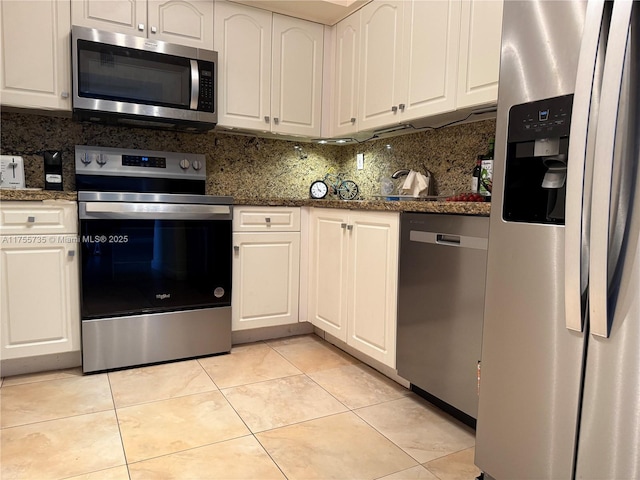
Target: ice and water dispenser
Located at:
point(536, 161)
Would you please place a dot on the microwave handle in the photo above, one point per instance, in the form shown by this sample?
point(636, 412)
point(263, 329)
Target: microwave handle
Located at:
point(195, 85)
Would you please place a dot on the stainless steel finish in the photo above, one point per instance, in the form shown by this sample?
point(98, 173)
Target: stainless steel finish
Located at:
point(440, 304)
point(126, 341)
point(153, 198)
point(141, 27)
point(197, 165)
point(581, 159)
point(601, 273)
point(610, 421)
point(113, 157)
point(465, 241)
point(195, 85)
point(101, 160)
point(163, 114)
point(152, 211)
point(31, 219)
point(531, 364)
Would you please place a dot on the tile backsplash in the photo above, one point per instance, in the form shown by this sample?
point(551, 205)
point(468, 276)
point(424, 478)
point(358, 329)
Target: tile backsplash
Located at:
point(251, 167)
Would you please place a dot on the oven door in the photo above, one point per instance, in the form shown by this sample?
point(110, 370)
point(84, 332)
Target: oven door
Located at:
point(152, 257)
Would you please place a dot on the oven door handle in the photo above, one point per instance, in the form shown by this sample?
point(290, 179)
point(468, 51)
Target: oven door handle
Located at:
point(153, 211)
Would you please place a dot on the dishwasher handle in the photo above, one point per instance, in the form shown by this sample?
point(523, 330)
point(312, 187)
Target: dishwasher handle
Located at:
point(445, 239)
point(449, 240)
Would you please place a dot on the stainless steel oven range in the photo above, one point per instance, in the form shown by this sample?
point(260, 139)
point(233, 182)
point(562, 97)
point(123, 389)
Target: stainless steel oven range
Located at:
point(156, 258)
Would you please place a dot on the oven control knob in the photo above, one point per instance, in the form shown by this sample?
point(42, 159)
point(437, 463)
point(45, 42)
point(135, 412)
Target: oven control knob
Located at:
point(197, 165)
point(101, 160)
point(85, 158)
point(184, 164)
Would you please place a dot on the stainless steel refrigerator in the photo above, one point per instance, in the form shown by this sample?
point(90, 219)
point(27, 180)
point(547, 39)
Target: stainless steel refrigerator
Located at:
point(560, 372)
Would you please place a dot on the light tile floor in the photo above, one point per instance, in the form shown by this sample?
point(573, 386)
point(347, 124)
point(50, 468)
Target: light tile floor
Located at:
point(295, 408)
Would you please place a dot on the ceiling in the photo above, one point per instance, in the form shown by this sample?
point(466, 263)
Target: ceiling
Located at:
point(328, 12)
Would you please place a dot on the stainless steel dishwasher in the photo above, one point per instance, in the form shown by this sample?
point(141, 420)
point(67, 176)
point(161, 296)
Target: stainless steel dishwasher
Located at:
point(443, 261)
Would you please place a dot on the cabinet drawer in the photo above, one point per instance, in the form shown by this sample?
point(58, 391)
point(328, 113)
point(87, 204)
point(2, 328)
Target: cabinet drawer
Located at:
point(23, 218)
point(266, 219)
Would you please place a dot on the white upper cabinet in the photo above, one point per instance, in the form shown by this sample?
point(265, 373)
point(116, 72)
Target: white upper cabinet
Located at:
point(346, 66)
point(296, 89)
point(429, 58)
point(380, 63)
point(409, 60)
point(243, 41)
point(118, 16)
point(416, 59)
point(270, 75)
point(184, 22)
point(479, 65)
point(35, 57)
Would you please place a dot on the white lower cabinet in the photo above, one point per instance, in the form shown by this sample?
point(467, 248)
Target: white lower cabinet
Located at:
point(266, 267)
point(39, 285)
point(354, 278)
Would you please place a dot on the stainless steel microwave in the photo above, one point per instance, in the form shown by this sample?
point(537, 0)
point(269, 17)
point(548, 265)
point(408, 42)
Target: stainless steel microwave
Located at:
point(136, 81)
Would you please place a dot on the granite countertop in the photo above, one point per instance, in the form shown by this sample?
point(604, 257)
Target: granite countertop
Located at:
point(460, 208)
point(36, 194)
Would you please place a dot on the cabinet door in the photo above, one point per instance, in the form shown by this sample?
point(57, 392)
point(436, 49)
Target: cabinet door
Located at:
point(243, 42)
point(118, 16)
point(266, 279)
point(40, 308)
point(185, 22)
point(380, 63)
point(328, 271)
point(373, 284)
point(430, 58)
point(296, 89)
point(347, 51)
point(35, 57)
point(479, 64)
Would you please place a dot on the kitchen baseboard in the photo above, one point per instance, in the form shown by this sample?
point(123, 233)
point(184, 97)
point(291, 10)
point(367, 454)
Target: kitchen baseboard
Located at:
point(270, 333)
point(43, 363)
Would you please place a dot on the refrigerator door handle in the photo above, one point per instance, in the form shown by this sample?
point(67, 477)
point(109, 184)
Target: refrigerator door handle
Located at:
point(580, 159)
point(604, 167)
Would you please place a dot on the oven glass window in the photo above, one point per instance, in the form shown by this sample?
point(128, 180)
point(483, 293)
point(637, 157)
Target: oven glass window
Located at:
point(138, 266)
point(122, 74)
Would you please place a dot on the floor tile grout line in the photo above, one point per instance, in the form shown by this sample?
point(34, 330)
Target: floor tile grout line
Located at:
point(115, 412)
point(55, 419)
point(269, 455)
point(189, 449)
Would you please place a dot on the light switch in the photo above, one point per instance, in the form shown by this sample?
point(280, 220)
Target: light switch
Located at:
point(360, 160)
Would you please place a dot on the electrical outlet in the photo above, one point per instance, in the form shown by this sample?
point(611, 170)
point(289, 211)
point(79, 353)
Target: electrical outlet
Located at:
point(360, 160)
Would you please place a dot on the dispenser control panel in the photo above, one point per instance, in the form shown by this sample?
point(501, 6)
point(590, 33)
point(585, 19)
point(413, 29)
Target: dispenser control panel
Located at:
point(546, 118)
